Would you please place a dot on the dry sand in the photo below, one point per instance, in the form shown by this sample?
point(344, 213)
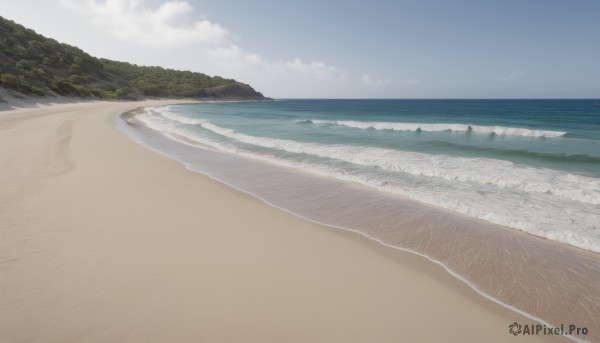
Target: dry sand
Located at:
point(102, 240)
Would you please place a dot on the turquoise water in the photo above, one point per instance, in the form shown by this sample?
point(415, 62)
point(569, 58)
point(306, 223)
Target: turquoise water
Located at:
point(532, 165)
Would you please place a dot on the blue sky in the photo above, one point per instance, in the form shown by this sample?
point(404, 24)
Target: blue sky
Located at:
point(345, 49)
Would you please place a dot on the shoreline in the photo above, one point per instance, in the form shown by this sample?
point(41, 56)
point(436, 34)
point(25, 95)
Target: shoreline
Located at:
point(574, 266)
point(122, 281)
point(362, 235)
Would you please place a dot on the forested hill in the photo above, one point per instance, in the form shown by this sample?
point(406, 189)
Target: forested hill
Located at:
point(31, 64)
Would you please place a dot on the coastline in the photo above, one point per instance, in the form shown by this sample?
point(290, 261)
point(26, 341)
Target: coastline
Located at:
point(88, 258)
point(542, 279)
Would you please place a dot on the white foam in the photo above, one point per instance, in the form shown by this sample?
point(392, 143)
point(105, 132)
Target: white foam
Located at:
point(547, 203)
point(498, 130)
point(498, 173)
point(179, 118)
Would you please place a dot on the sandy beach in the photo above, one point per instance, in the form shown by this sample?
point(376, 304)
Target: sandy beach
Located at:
point(103, 240)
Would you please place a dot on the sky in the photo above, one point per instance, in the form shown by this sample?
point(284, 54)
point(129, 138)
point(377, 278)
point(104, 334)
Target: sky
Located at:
point(344, 49)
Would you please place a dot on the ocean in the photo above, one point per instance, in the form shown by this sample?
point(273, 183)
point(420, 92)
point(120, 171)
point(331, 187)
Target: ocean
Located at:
point(530, 165)
point(503, 194)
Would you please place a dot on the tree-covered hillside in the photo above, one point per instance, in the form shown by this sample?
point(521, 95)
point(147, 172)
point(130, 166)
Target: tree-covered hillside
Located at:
point(32, 64)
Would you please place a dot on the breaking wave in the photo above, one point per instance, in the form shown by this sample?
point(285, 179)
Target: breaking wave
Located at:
point(422, 127)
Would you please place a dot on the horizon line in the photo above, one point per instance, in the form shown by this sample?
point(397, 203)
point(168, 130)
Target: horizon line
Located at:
point(308, 98)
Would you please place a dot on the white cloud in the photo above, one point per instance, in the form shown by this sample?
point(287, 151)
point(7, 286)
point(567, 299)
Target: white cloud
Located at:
point(315, 68)
point(369, 81)
point(234, 57)
point(130, 20)
point(513, 75)
point(278, 78)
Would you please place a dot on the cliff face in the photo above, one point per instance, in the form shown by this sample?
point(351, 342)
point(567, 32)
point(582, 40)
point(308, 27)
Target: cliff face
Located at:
point(31, 64)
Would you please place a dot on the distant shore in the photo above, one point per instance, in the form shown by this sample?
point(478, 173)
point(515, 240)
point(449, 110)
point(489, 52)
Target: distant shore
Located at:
point(104, 240)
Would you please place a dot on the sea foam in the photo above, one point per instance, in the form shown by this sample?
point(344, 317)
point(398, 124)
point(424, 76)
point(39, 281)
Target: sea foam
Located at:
point(417, 127)
point(498, 173)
